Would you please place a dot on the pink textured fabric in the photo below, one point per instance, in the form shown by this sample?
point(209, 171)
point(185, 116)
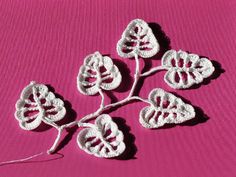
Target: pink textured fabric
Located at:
point(47, 40)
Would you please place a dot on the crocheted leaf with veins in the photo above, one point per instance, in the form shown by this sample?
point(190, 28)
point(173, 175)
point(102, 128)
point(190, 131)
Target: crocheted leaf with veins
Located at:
point(137, 39)
point(97, 73)
point(37, 104)
point(165, 108)
point(102, 140)
point(185, 69)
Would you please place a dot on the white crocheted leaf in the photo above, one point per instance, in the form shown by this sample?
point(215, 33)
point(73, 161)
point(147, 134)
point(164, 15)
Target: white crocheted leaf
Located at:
point(98, 72)
point(165, 108)
point(102, 140)
point(185, 69)
point(37, 104)
point(137, 39)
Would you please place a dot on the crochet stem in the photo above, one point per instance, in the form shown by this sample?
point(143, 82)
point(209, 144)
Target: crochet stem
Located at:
point(56, 142)
point(49, 122)
point(59, 129)
point(153, 70)
point(86, 125)
point(113, 105)
point(103, 98)
point(136, 76)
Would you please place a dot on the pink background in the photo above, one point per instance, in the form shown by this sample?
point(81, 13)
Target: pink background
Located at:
point(47, 40)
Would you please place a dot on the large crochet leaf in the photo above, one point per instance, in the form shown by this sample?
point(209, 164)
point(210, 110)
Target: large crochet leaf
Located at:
point(137, 39)
point(97, 73)
point(104, 139)
point(165, 108)
point(37, 104)
point(185, 69)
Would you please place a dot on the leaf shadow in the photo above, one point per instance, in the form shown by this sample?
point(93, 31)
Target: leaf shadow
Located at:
point(200, 116)
point(111, 95)
point(162, 38)
point(127, 79)
point(69, 117)
point(129, 140)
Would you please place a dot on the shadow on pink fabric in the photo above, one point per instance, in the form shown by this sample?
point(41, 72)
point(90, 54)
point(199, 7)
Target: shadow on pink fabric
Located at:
point(48, 40)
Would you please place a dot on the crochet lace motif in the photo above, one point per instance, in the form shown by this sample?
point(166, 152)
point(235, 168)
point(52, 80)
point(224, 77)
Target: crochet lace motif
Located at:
point(99, 74)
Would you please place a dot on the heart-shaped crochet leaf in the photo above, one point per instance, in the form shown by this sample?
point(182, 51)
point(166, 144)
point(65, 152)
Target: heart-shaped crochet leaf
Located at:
point(165, 108)
point(104, 139)
point(137, 39)
point(97, 73)
point(185, 69)
point(37, 104)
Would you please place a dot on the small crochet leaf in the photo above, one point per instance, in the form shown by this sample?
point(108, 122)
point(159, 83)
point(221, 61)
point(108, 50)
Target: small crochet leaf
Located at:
point(185, 70)
point(165, 108)
point(102, 140)
point(37, 104)
point(137, 39)
point(98, 72)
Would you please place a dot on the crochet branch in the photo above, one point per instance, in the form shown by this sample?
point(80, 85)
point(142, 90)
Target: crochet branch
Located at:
point(99, 74)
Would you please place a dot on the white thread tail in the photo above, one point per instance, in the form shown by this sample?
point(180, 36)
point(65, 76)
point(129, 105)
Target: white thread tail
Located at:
point(21, 160)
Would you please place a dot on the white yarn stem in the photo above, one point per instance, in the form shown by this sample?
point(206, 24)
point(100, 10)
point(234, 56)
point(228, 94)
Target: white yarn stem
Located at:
point(153, 70)
point(140, 99)
point(71, 124)
point(56, 142)
point(59, 129)
point(103, 98)
point(136, 75)
point(113, 105)
point(86, 125)
point(47, 121)
point(21, 160)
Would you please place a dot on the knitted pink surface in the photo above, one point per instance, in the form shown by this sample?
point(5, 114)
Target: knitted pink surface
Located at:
point(47, 41)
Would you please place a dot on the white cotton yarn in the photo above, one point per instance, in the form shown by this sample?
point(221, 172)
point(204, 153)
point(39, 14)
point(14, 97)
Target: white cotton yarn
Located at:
point(97, 74)
point(103, 139)
point(137, 39)
point(181, 64)
point(165, 108)
point(36, 105)
point(101, 70)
